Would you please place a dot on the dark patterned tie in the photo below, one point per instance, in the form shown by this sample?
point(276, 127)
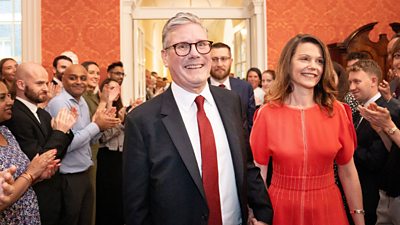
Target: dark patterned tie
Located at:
point(209, 166)
point(221, 85)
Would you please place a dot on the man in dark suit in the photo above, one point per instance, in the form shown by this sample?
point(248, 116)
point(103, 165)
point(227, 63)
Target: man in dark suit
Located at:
point(371, 153)
point(36, 134)
point(220, 69)
point(167, 166)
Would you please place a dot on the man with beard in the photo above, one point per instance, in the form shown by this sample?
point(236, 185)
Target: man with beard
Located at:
point(220, 70)
point(60, 64)
point(115, 71)
point(36, 134)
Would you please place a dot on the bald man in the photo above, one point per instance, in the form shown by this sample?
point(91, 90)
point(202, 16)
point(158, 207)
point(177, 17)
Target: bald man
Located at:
point(34, 132)
point(77, 188)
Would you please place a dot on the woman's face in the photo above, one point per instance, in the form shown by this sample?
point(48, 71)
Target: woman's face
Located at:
point(266, 81)
point(253, 79)
point(115, 89)
point(307, 66)
point(6, 103)
point(93, 76)
point(9, 69)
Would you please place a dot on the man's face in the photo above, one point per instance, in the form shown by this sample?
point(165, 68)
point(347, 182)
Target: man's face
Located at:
point(191, 71)
point(93, 75)
point(117, 73)
point(363, 86)
point(62, 65)
point(75, 80)
point(36, 86)
point(221, 63)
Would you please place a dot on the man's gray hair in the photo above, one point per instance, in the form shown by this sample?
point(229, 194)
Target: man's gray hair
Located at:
point(180, 18)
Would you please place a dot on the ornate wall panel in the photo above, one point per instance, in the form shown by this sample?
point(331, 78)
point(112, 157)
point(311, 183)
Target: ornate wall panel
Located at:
point(89, 28)
point(330, 20)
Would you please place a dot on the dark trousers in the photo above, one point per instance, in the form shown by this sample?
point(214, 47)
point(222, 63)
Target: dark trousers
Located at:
point(109, 209)
point(49, 197)
point(78, 197)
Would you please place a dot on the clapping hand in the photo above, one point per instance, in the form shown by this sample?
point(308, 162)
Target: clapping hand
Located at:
point(7, 181)
point(43, 166)
point(65, 119)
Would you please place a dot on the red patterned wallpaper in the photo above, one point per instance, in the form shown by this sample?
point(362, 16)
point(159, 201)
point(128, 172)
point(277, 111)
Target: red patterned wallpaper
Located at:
point(89, 28)
point(331, 20)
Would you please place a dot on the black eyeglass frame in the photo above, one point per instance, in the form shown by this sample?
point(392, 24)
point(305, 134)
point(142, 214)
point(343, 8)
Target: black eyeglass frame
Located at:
point(190, 47)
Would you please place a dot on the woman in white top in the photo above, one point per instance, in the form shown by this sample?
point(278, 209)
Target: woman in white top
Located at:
point(254, 78)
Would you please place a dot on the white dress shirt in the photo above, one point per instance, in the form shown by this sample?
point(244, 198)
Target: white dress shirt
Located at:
point(230, 206)
point(226, 82)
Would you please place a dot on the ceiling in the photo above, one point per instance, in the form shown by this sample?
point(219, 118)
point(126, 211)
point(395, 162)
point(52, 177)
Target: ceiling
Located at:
point(190, 3)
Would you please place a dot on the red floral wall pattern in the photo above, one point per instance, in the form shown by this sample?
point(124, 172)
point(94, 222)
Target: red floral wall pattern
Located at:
point(330, 20)
point(89, 28)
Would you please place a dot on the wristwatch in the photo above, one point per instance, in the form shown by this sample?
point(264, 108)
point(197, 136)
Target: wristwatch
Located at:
point(392, 130)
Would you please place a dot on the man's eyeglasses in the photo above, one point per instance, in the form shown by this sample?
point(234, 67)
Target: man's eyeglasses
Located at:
point(184, 48)
point(118, 73)
point(222, 59)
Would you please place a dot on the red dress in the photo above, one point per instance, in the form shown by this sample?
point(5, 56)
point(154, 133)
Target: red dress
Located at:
point(304, 144)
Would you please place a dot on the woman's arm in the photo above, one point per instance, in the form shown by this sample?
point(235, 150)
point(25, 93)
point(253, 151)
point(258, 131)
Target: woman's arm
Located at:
point(352, 190)
point(41, 167)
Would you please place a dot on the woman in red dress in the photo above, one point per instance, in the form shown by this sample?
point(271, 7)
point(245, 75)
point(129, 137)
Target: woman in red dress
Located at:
point(305, 129)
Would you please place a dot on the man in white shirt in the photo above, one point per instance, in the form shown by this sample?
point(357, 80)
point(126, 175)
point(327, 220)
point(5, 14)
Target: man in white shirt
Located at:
point(168, 165)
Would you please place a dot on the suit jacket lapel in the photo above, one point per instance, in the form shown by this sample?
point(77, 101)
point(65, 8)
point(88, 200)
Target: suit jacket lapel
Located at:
point(230, 125)
point(24, 109)
point(176, 129)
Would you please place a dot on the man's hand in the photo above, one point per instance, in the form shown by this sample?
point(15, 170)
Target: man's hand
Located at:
point(254, 221)
point(65, 119)
point(377, 116)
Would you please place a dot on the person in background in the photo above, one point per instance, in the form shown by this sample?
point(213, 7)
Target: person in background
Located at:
point(268, 77)
point(60, 64)
point(37, 132)
point(253, 76)
point(109, 208)
point(92, 95)
point(349, 99)
point(371, 153)
point(21, 207)
point(221, 63)
point(77, 187)
point(387, 126)
point(304, 128)
point(116, 71)
point(8, 67)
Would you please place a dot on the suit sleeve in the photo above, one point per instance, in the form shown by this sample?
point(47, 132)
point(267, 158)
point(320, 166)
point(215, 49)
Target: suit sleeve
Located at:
point(26, 134)
point(251, 108)
point(371, 157)
point(257, 194)
point(135, 165)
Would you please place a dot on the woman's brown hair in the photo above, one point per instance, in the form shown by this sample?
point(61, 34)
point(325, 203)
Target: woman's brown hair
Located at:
point(324, 91)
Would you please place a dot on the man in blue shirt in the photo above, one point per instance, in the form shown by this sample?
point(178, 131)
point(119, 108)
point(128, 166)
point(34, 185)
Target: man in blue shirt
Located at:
point(77, 188)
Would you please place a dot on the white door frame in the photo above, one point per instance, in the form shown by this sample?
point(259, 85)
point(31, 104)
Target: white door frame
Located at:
point(255, 11)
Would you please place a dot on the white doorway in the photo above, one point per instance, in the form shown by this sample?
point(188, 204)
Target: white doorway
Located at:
point(242, 23)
